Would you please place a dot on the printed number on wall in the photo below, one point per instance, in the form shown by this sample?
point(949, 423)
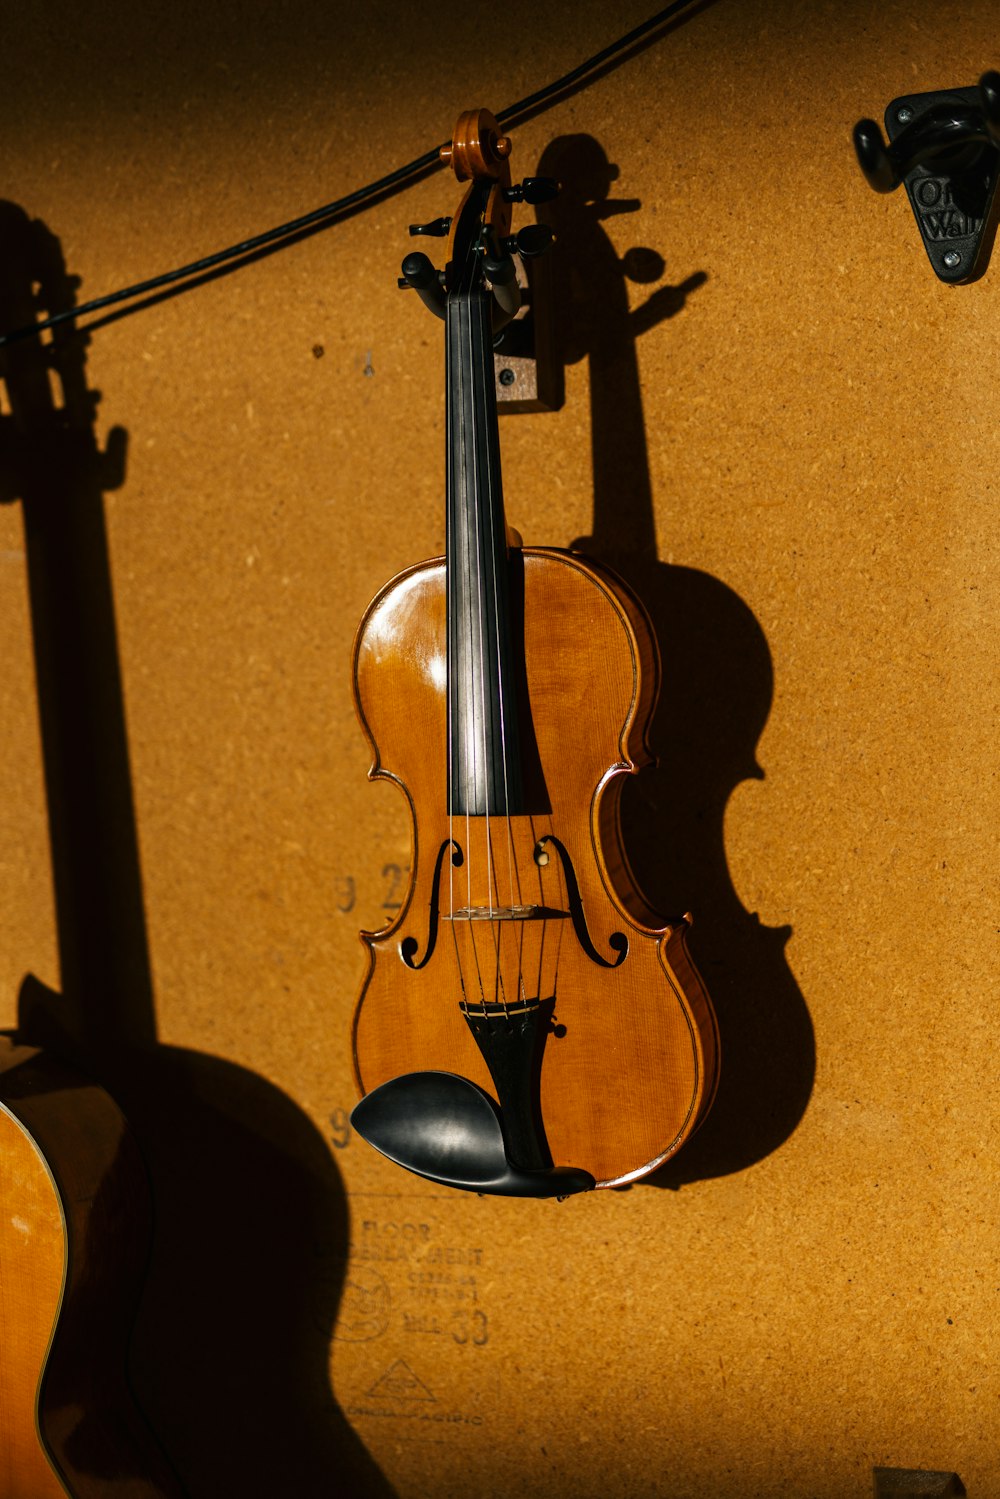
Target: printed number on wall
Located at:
point(340, 1127)
point(473, 1328)
point(394, 877)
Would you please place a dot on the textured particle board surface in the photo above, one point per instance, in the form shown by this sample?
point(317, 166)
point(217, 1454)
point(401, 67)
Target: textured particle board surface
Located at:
point(818, 1294)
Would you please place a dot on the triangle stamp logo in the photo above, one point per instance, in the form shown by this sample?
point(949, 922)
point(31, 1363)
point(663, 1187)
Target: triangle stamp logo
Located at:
point(400, 1383)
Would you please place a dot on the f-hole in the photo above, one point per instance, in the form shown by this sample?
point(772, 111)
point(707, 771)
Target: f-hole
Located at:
point(618, 942)
point(409, 946)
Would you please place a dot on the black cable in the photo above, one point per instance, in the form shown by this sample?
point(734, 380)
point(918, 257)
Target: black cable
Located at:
point(534, 101)
point(330, 212)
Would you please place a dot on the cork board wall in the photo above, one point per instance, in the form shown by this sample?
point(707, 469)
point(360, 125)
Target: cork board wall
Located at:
point(780, 426)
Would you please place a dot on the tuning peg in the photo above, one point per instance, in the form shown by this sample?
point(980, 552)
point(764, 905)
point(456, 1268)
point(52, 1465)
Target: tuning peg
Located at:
point(437, 228)
point(532, 190)
point(533, 239)
point(499, 267)
point(425, 280)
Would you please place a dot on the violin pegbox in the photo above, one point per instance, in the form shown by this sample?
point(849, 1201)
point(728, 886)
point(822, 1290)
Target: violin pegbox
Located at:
point(479, 154)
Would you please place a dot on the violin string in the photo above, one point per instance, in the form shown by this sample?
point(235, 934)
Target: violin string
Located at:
point(452, 673)
point(522, 994)
point(495, 513)
point(477, 367)
point(448, 677)
point(470, 743)
point(560, 926)
point(454, 934)
point(484, 367)
point(455, 314)
point(458, 960)
point(470, 740)
point(539, 874)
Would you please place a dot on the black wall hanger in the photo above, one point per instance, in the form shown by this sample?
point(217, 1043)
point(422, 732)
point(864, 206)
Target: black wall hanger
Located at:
point(944, 147)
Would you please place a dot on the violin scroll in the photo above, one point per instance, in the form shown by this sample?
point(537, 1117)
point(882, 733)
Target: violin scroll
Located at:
point(477, 149)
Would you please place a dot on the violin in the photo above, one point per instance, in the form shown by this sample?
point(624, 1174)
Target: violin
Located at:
point(528, 1024)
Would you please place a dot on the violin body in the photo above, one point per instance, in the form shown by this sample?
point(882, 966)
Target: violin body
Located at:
point(624, 1058)
point(74, 1222)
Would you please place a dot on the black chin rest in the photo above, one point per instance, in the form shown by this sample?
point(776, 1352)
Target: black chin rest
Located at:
point(449, 1130)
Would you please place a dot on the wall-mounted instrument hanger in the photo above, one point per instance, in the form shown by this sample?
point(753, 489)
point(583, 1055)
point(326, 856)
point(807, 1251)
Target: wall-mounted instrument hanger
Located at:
point(528, 1024)
point(944, 147)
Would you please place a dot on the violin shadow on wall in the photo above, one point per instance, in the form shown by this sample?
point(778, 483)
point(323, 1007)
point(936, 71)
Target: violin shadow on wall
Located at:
point(230, 1353)
point(715, 696)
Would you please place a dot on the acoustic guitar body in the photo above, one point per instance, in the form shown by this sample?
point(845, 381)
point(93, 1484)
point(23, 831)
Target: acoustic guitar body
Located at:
point(626, 1059)
point(74, 1221)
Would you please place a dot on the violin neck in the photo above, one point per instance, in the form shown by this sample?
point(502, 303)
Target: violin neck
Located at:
point(484, 772)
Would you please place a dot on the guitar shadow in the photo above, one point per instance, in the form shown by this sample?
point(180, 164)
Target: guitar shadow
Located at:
point(716, 692)
point(229, 1355)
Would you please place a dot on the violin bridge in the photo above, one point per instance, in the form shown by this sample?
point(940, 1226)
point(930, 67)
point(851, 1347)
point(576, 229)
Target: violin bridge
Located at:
point(493, 913)
point(504, 913)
